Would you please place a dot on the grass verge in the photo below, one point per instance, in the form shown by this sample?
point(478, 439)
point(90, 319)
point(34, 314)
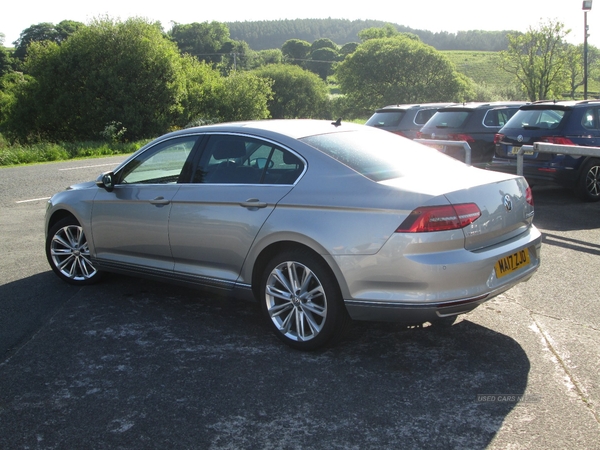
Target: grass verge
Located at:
point(11, 155)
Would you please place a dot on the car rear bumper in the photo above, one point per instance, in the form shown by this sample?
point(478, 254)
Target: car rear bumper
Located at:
point(411, 313)
point(540, 173)
point(445, 288)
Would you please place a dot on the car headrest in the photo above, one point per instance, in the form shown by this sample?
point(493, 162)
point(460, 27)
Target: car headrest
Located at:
point(229, 148)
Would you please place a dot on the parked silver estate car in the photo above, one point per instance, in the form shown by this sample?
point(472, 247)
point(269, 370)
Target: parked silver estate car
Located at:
point(320, 222)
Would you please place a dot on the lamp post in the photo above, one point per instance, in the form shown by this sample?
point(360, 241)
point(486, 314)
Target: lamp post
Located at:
point(587, 6)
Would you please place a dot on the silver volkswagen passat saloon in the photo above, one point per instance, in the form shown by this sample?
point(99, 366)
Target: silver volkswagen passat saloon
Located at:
point(320, 222)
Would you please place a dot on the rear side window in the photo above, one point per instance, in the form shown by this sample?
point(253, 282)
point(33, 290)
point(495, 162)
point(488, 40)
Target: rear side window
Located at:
point(424, 115)
point(386, 119)
point(537, 119)
point(590, 119)
point(449, 119)
point(498, 117)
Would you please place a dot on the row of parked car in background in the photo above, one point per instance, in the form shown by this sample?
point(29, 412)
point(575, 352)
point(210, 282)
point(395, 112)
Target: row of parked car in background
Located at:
point(496, 131)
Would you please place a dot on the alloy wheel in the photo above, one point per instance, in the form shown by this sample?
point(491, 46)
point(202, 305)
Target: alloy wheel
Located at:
point(70, 254)
point(296, 301)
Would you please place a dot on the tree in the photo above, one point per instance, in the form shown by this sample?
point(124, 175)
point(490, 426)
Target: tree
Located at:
point(574, 66)
point(206, 41)
point(386, 31)
point(44, 31)
point(348, 49)
point(538, 60)
point(322, 60)
point(106, 72)
point(295, 51)
point(237, 56)
point(297, 93)
point(266, 57)
point(323, 43)
point(6, 63)
point(398, 70)
point(244, 96)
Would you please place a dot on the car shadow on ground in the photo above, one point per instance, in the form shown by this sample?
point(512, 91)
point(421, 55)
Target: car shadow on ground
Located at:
point(137, 364)
point(559, 209)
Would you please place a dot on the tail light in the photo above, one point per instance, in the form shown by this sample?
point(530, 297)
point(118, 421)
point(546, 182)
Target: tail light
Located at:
point(419, 135)
point(498, 138)
point(440, 218)
point(528, 196)
point(557, 140)
point(461, 137)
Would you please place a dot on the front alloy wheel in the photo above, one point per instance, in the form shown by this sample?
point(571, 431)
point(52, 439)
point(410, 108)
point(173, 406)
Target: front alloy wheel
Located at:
point(302, 302)
point(68, 253)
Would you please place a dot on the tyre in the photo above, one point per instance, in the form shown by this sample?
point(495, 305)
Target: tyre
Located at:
point(68, 253)
point(589, 181)
point(301, 301)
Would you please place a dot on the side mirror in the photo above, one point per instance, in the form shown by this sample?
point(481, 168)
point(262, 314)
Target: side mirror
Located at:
point(106, 181)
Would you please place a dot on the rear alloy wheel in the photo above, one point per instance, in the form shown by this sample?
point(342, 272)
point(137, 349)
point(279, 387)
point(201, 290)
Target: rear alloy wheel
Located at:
point(68, 253)
point(589, 183)
point(302, 301)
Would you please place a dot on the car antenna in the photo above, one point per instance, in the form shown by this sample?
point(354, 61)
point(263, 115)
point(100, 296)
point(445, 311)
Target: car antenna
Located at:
point(337, 123)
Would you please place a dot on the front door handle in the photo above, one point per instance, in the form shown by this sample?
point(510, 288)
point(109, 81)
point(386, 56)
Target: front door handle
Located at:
point(160, 201)
point(253, 203)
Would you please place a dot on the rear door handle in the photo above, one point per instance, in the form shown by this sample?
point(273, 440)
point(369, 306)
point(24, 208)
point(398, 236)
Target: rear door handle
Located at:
point(159, 201)
point(253, 203)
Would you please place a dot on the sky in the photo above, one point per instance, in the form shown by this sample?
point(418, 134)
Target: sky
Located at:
point(432, 15)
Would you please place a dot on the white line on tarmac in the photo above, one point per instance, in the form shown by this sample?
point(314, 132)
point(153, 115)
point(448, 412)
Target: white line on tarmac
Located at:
point(33, 200)
point(88, 167)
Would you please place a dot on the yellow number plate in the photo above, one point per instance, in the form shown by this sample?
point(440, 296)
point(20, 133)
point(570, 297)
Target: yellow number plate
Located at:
point(515, 150)
point(438, 147)
point(512, 263)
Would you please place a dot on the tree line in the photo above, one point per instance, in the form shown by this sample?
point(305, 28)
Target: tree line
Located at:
point(129, 80)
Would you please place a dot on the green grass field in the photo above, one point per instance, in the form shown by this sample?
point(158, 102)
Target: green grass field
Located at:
point(484, 68)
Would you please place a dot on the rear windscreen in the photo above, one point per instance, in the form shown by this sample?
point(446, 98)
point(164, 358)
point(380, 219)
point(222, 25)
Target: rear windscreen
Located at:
point(381, 155)
point(386, 119)
point(537, 119)
point(448, 119)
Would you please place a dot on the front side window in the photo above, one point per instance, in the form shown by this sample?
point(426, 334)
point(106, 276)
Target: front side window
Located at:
point(231, 159)
point(161, 164)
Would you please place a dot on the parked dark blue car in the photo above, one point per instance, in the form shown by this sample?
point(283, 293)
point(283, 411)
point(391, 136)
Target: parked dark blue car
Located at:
point(557, 122)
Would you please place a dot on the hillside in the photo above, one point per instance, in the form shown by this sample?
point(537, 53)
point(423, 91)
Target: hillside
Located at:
point(482, 67)
point(267, 34)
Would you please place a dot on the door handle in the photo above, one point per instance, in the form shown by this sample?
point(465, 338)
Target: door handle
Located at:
point(160, 201)
point(253, 203)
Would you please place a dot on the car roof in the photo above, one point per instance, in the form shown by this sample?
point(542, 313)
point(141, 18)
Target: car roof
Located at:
point(404, 107)
point(560, 104)
point(293, 128)
point(481, 105)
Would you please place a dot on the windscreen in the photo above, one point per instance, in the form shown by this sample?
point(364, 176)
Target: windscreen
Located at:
point(380, 156)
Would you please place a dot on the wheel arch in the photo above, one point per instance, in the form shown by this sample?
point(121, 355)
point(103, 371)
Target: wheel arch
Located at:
point(267, 253)
point(57, 216)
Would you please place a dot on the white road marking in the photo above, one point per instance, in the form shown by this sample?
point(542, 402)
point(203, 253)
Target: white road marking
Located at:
point(33, 200)
point(89, 167)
